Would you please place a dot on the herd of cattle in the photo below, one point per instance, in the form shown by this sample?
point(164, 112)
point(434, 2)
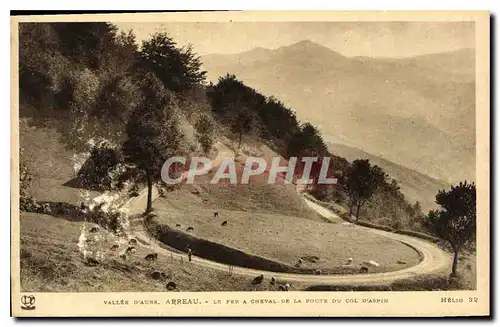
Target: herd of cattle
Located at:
point(132, 243)
point(191, 228)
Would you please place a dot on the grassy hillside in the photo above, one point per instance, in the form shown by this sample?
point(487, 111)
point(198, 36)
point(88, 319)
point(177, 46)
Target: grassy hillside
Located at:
point(257, 195)
point(268, 220)
point(50, 163)
point(50, 258)
point(415, 186)
point(51, 262)
point(282, 237)
point(83, 83)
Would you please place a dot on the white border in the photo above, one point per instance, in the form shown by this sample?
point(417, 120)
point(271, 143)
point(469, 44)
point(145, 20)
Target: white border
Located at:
point(186, 5)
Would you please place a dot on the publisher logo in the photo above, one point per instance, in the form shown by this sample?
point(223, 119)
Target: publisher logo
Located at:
point(28, 302)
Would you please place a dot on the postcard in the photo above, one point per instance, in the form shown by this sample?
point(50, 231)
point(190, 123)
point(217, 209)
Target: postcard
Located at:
point(251, 164)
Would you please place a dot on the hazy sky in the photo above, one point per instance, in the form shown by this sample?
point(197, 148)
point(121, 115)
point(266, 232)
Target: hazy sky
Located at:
point(376, 39)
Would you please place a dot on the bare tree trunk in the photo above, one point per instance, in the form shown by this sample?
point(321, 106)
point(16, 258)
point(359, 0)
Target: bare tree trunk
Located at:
point(455, 263)
point(357, 210)
point(149, 178)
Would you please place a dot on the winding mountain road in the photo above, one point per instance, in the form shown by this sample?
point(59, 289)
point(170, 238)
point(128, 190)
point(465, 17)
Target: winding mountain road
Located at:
point(434, 260)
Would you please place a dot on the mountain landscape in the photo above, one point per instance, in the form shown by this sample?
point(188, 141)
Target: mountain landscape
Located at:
point(103, 209)
point(418, 112)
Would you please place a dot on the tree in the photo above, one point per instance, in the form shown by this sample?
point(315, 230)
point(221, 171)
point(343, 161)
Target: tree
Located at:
point(205, 132)
point(102, 169)
point(455, 221)
point(87, 43)
point(280, 121)
point(153, 131)
point(42, 67)
point(116, 99)
point(306, 142)
point(362, 180)
point(416, 215)
point(242, 124)
point(178, 68)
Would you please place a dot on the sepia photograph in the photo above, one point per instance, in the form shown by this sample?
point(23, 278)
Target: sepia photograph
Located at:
point(250, 164)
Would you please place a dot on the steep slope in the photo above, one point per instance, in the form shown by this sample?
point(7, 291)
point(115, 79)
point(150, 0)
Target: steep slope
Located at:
point(417, 111)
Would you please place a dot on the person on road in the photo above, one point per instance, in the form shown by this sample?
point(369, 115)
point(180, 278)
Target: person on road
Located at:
point(190, 253)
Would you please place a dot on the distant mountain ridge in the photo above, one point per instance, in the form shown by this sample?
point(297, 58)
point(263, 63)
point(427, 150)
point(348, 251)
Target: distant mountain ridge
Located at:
point(418, 111)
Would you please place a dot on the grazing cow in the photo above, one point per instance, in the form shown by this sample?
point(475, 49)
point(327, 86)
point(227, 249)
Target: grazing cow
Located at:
point(284, 288)
point(94, 229)
point(216, 214)
point(115, 247)
point(189, 229)
point(132, 241)
point(171, 286)
point(130, 250)
point(258, 280)
point(224, 223)
point(178, 225)
point(151, 257)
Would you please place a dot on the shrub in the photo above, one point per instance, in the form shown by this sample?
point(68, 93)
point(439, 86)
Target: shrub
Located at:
point(24, 174)
point(26, 202)
point(29, 204)
point(103, 168)
point(112, 220)
point(134, 190)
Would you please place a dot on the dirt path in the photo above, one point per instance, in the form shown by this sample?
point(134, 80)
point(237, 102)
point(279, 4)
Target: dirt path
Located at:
point(434, 260)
